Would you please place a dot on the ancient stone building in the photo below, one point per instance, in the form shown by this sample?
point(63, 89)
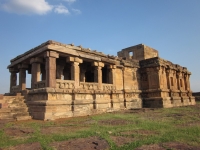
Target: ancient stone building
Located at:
point(68, 80)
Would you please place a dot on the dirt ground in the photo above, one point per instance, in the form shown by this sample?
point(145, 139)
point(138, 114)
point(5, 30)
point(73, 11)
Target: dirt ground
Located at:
point(168, 146)
point(96, 142)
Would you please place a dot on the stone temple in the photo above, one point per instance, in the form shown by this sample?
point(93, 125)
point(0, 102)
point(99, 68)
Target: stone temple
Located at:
point(68, 81)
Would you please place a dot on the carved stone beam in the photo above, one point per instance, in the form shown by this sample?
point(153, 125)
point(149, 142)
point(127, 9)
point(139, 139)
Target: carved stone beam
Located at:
point(22, 66)
point(36, 60)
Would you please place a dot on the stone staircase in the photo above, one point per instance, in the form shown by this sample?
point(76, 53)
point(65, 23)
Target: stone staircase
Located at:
point(13, 108)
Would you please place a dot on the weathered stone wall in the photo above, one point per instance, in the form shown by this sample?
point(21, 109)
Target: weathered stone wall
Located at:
point(166, 84)
point(138, 52)
point(119, 79)
point(51, 103)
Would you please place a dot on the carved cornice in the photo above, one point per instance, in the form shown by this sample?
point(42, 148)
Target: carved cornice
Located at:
point(155, 62)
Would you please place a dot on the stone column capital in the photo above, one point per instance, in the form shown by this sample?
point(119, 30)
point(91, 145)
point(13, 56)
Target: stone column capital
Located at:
point(51, 54)
point(168, 71)
point(13, 70)
point(74, 59)
point(112, 66)
point(185, 75)
point(98, 64)
point(178, 73)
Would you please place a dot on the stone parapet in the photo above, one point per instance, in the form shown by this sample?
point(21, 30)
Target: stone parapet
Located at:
point(65, 84)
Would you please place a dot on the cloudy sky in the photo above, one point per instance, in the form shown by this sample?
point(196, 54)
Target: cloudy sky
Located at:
point(170, 26)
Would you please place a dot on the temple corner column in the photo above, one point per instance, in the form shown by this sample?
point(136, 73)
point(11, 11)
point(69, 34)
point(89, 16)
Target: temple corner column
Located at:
point(35, 70)
point(13, 77)
point(50, 66)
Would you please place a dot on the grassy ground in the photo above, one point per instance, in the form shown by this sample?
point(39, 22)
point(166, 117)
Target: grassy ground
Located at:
point(134, 127)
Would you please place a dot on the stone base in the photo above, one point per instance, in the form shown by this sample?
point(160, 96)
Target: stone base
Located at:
point(50, 104)
point(153, 103)
point(133, 103)
point(176, 101)
point(168, 102)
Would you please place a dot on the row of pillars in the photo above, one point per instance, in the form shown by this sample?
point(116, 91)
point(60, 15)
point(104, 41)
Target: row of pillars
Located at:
point(49, 73)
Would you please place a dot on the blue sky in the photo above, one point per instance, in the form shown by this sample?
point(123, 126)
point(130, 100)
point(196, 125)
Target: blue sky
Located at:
point(170, 26)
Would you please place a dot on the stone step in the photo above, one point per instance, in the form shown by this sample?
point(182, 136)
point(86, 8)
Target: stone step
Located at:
point(16, 108)
point(19, 118)
point(16, 100)
point(19, 109)
point(6, 115)
point(5, 110)
point(7, 119)
point(21, 114)
point(8, 97)
point(17, 105)
point(10, 101)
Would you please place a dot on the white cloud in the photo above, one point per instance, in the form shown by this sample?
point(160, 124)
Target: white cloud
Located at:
point(70, 1)
point(61, 9)
point(39, 7)
point(76, 11)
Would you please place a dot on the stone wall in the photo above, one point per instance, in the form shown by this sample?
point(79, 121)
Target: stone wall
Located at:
point(138, 52)
point(53, 103)
point(165, 84)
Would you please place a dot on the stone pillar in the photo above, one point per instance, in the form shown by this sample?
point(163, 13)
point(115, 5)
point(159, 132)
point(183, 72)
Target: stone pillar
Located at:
point(157, 77)
point(188, 82)
point(35, 70)
point(75, 69)
point(50, 57)
point(13, 78)
point(178, 80)
point(185, 81)
point(112, 74)
point(164, 79)
point(98, 73)
point(22, 76)
point(168, 78)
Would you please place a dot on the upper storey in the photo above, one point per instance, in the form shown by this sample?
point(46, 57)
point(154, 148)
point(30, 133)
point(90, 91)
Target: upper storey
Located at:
point(138, 52)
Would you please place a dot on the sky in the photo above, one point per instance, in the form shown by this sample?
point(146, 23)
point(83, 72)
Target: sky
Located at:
point(170, 26)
